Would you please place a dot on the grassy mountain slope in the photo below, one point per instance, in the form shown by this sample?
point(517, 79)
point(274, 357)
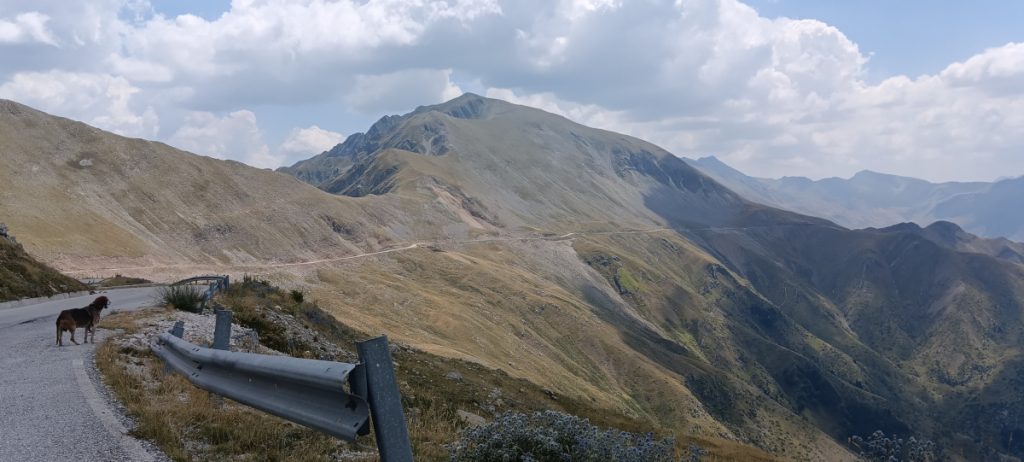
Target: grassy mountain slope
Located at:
point(22, 276)
point(952, 236)
point(86, 200)
point(799, 320)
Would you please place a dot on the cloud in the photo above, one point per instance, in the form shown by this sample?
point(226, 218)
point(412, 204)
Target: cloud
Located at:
point(999, 71)
point(26, 28)
point(401, 91)
point(139, 70)
point(310, 141)
point(773, 96)
point(233, 136)
point(103, 100)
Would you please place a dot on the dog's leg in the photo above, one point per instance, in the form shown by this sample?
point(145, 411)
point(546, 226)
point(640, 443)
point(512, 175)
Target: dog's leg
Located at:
point(73, 336)
point(59, 335)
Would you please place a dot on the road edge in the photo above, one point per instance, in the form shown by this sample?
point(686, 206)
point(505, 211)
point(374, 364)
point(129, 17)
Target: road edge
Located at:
point(131, 446)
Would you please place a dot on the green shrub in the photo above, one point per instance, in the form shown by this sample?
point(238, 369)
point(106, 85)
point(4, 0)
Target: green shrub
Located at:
point(554, 436)
point(183, 297)
point(297, 296)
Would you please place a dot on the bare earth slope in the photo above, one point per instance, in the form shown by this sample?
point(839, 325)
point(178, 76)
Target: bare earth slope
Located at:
point(592, 263)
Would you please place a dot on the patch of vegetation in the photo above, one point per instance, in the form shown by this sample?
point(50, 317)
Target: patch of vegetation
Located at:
point(253, 302)
point(554, 436)
point(881, 448)
point(614, 269)
point(21, 276)
point(297, 296)
point(626, 282)
point(182, 297)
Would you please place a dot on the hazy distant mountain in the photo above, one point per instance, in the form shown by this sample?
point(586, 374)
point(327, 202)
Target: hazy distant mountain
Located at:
point(994, 211)
point(871, 199)
point(592, 263)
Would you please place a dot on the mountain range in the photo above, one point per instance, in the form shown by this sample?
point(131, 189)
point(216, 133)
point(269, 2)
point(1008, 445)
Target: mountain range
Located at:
point(871, 199)
point(595, 264)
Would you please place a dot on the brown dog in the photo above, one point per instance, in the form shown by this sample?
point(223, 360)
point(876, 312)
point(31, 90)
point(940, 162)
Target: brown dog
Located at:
point(88, 317)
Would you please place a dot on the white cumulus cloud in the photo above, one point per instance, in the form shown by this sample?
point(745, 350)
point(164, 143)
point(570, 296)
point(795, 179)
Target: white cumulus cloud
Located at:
point(26, 28)
point(401, 91)
point(103, 100)
point(233, 136)
point(310, 141)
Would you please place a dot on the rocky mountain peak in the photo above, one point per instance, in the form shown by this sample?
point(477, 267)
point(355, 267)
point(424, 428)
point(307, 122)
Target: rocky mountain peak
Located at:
point(467, 106)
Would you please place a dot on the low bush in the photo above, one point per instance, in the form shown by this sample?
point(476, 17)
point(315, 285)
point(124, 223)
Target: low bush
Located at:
point(183, 297)
point(553, 436)
point(881, 448)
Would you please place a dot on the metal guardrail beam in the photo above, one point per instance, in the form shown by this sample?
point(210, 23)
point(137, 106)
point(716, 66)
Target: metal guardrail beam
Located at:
point(211, 278)
point(305, 391)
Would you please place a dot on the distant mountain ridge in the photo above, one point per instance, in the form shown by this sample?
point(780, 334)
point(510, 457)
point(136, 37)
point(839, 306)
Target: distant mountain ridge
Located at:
point(871, 199)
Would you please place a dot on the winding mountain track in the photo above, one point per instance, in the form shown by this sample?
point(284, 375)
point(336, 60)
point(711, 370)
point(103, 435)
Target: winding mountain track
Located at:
point(414, 245)
point(50, 409)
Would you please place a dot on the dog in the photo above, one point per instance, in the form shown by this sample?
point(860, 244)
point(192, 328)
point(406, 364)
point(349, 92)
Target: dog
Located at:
point(88, 317)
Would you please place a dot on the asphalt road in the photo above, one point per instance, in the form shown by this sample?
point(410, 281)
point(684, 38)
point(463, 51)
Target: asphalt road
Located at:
point(49, 407)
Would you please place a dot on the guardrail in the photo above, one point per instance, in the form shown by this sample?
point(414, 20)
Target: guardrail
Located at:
point(217, 283)
point(308, 392)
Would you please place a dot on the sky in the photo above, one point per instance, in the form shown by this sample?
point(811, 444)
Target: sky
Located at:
point(816, 88)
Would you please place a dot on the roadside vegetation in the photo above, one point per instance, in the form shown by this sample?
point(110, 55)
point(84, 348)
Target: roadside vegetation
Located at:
point(182, 297)
point(551, 435)
point(21, 276)
point(446, 400)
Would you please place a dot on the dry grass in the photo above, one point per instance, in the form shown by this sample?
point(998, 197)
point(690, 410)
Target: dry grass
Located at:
point(432, 400)
point(187, 424)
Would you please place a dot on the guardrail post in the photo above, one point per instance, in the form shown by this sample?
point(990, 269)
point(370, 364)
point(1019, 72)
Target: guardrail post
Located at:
point(222, 330)
point(227, 281)
point(178, 331)
point(385, 401)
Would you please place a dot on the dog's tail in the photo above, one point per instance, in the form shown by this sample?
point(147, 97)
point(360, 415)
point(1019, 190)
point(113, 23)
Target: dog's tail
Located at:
point(58, 332)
